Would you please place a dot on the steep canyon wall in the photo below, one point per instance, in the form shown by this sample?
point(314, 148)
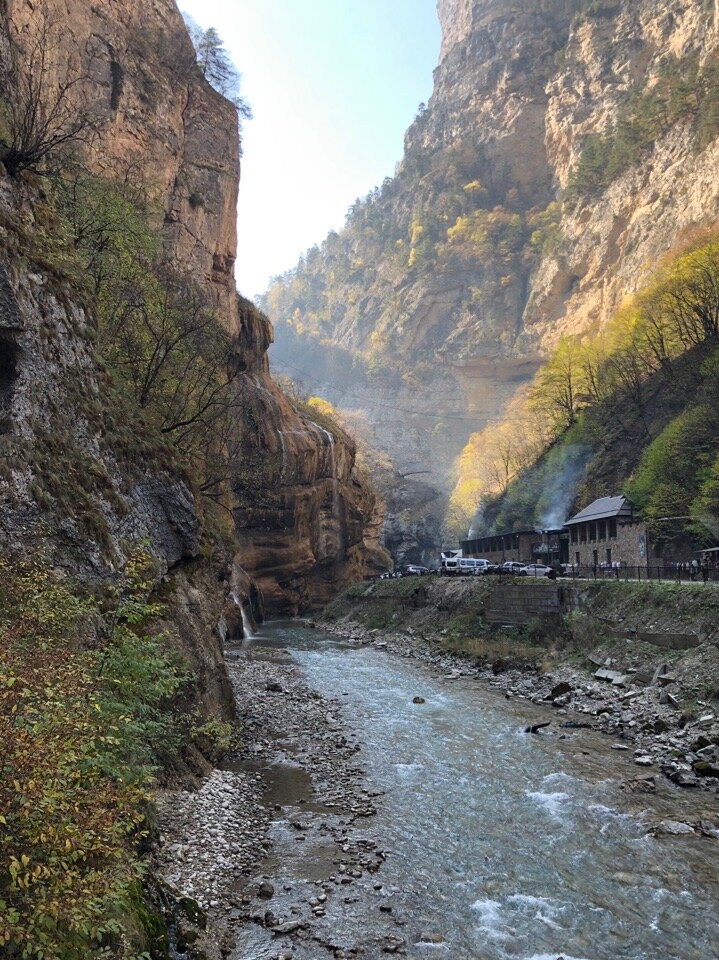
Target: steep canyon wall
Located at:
point(160, 125)
point(453, 279)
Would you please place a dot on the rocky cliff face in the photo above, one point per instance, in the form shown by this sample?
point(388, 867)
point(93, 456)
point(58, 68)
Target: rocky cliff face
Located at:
point(158, 121)
point(160, 124)
point(494, 239)
point(79, 486)
point(308, 519)
point(608, 241)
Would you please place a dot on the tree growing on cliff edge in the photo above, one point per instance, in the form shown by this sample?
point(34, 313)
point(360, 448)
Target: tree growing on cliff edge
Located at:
point(216, 65)
point(43, 108)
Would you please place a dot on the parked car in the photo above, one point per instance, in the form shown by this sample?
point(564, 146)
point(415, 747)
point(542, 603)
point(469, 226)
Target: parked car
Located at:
point(483, 566)
point(538, 570)
point(414, 570)
point(514, 567)
point(450, 566)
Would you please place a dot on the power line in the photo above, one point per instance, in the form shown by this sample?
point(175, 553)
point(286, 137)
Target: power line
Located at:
point(378, 404)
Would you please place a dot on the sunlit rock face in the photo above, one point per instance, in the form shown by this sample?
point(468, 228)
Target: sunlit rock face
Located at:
point(610, 240)
point(308, 521)
point(460, 274)
point(159, 122)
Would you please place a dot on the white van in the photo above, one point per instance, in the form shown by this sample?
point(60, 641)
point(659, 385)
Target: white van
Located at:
point(474, 567)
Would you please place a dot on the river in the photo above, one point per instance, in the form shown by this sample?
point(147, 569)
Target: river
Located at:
point(499, 844)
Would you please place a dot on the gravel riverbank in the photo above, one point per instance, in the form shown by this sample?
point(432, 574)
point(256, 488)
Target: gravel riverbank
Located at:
point(294, 785)
point(280, 848)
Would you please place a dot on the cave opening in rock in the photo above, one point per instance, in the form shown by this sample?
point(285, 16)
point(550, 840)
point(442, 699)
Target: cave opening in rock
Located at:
point(8, 377)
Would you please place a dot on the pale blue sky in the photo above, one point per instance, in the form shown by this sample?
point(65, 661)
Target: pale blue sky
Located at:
point(333, 85)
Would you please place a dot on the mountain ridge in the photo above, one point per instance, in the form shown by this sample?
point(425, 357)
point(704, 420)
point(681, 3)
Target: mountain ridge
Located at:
point(452, 281)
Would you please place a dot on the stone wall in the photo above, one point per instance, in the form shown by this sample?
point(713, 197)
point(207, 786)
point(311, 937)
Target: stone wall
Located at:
point(520, 603)
point(629, 547)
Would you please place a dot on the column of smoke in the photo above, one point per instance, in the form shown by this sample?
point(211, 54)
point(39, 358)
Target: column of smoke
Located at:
point(562, 471)
point(561, 485)
point(475, 529)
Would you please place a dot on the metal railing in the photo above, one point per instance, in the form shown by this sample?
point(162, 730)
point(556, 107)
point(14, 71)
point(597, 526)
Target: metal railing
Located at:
point(668, 573)
point(654, 572)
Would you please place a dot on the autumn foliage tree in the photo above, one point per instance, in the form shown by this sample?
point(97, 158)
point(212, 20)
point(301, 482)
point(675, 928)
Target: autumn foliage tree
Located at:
point(86, 700)
point(156, 327)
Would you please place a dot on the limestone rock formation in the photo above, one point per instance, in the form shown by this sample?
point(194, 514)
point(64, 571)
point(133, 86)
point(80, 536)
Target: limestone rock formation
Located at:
point(308, 520)
point(158, 120)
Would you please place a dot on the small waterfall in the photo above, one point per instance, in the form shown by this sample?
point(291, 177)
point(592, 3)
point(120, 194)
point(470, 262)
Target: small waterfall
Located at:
point(281, 435)
point(247, 630)
point(333, 473)
point(246, 625)
point(335, 483)
point(169, 908)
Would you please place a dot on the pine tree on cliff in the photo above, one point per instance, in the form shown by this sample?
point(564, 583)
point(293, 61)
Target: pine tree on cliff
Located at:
point(216, 65)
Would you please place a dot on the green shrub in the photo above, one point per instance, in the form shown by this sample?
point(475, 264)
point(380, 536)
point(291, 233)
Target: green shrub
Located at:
point(673, 466)
point(215, 737)
point(682, 91)
point(86, 714)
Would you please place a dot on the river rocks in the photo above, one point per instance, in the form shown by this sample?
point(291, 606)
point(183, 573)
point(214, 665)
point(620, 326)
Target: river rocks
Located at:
point(265, 890)
point(212, 835)
point(418, 700)
point(436, 939)
point(672, 828)
point(289, 926)
point(560, 689)
point(392, 944)
point(536, 727)
point(647, 784)
point(706, 768)
point(615, 677)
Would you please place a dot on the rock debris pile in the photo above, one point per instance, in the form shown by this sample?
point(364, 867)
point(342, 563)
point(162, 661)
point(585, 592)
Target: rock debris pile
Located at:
point(212, 837)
